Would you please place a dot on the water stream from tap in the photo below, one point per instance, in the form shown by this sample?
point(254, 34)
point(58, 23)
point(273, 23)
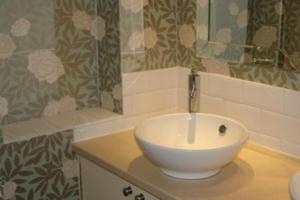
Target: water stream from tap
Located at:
point(191, 134)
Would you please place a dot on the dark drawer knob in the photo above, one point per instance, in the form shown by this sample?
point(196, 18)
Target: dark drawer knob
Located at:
point(139, 197)
point(127, 191)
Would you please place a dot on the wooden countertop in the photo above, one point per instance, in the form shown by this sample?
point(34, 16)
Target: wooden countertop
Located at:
point(256, 174)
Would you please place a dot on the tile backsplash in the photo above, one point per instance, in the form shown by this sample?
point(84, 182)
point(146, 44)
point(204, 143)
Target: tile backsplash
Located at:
point(271, 114)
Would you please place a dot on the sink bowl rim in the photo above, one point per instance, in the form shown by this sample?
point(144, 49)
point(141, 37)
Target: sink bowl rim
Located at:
point(239, 142)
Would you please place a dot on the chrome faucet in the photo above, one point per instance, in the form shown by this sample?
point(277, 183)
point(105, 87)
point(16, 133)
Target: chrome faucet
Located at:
point(194, 88)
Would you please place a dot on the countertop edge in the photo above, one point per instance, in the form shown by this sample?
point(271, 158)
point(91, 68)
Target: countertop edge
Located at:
point(124, 175)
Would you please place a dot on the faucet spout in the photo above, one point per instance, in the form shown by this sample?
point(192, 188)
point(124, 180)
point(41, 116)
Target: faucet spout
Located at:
point(193, 91)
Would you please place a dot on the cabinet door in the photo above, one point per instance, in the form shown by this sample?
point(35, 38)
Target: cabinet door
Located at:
point(99, 184)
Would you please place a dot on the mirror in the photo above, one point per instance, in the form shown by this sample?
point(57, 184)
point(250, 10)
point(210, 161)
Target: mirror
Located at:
point(249, 32)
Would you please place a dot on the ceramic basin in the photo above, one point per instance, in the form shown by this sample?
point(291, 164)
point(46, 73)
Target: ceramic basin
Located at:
point(295, 187)
point(190, 146)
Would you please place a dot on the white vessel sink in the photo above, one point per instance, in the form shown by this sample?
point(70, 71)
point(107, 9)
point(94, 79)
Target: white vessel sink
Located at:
point(295, 187)
point(190, 146)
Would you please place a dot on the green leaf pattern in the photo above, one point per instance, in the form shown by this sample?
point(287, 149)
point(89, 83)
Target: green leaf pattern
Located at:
point(48, 57)
point(41, 168)
point(282, 77)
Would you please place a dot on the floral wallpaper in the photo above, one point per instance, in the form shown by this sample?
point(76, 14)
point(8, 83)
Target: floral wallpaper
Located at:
point(264, 73)
point(48, 58)
point(1, 136)
point(109, 52)
point(155, 46)
point(292, 34)
point(41, 168)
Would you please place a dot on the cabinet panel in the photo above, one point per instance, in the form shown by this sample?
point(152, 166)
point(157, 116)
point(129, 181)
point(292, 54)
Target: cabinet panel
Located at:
point(99, 184)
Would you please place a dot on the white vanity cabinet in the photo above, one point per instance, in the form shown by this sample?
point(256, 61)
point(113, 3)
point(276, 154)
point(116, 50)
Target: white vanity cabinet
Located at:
point(99, 184)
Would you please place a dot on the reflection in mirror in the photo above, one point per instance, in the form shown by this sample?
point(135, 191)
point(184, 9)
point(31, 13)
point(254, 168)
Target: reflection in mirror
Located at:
point(246, 32)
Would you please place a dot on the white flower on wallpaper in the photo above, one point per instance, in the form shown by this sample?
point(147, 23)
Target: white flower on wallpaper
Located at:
point(134, 6)
point(51, 109)
point(98, 28)
point(45, 65)
point(187, 36)
point(81, 20)
point(224, 35)
point(3, 107)
point(7, 46)
point(219, 49)
point(265, 36)
point(202, 31)
point(117, 92)
point(67, 104)
point(70, 168)
point(9, 190)
point(216, 67)
point(20, 28)
point(279, 8)
point(150, 38)
point(64, 105)
point(136, 41)
point(202, 3)
point(233, 8)
point(242, 19)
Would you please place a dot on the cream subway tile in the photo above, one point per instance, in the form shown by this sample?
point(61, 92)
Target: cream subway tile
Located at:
point(280, 126)
point(292, 103)
point(204, 82)
point(263, 96)
point(149, 81)
point(290, 148)
point(7, 138)
point(131, 121)
point(109, 127)
point(150, 102)
point(225, 87)
point(265, 140)
point(272, 124)
point(20, 131)
point(183, 99)
point(183, 74)
point(92, 131)
point(291, 129)
point(249, 116)
point(212, 105)
point(96, 114)
point(127, 105)
point(66, 121)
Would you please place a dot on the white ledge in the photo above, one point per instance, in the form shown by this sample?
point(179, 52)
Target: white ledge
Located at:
point(48, 125)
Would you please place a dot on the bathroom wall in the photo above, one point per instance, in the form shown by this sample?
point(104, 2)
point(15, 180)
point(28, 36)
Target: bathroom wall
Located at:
point(292, 34)
point(1, 136)
point(159, 38)
point(109, 72)
point(271, 114)
point(262, 73)
point(50, 65)
point(40, 168)
point(48, 59)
